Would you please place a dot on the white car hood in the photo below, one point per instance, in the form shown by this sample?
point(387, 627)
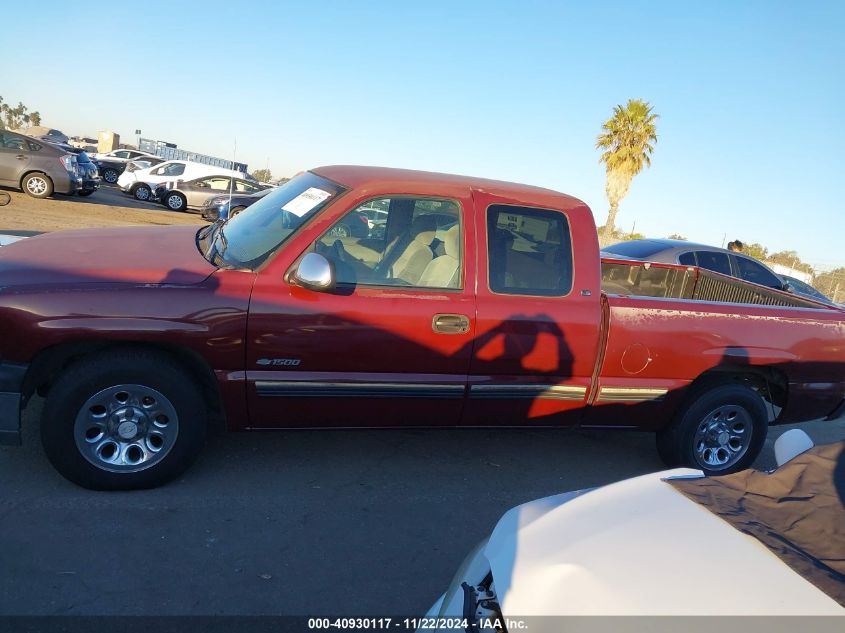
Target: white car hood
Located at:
point(639, 547)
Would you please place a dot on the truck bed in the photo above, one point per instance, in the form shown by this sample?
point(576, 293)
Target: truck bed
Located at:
point(672, 281)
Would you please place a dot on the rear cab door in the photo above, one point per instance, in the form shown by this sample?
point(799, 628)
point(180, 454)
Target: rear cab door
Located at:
point(390, 346)
point(539, 311)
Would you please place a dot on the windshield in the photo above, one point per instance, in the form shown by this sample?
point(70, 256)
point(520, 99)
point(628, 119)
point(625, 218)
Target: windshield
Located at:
point(249, 238)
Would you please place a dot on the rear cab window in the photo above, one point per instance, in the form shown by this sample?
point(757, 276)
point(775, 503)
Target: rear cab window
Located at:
point(529, 251)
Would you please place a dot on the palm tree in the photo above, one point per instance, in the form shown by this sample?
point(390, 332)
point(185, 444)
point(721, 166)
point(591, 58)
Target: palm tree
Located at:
point(627, 140)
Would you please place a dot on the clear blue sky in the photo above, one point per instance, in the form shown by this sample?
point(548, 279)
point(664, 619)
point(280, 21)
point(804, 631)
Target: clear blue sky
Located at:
point(750, 96)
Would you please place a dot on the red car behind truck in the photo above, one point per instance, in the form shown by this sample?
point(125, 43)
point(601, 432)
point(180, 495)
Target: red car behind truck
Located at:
point(479, 303)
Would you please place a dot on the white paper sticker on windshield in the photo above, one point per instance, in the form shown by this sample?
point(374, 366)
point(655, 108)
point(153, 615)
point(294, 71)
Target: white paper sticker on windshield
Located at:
point(306, 201)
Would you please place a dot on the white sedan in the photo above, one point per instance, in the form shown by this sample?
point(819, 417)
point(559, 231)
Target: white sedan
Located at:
point(643, 547)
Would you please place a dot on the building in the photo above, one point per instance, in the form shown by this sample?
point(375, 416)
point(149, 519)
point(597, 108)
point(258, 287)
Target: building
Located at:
point(170, 151)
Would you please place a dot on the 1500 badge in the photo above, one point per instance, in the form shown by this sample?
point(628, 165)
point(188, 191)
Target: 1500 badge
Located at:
point(276, 362)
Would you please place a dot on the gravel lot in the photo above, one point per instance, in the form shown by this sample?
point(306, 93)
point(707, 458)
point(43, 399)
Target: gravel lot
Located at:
point(106, 207)
point(287, 523)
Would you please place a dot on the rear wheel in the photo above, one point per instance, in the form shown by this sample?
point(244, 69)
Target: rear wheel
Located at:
point(719, 430)
point(38, 185)
point(175, 201)
point(123, 420)
point(110, 176)
point(142, 193)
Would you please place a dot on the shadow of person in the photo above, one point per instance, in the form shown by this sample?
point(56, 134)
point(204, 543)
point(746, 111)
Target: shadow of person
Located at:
point(513, 367)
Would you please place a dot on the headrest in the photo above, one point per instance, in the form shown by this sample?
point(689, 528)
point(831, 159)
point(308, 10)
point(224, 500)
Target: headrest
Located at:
point(452, 243)
point(423, 229)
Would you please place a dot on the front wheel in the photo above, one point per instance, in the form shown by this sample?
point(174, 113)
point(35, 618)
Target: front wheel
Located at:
point(110, 176)
point(123, 420)
point(235, 212)
point(175, 201)
point(142, 193)
point(38, 185)
point(719, 430)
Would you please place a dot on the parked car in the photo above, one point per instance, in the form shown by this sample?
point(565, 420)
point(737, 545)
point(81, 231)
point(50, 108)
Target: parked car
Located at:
point(480, 305)
point(666, 544)
point(141, 183)
point(713, 258)
point(799, 287)
point(222, 207)
point(110, 170)
point(180, 195)
point(122, 155)
point(36, 167)
point(88, 170)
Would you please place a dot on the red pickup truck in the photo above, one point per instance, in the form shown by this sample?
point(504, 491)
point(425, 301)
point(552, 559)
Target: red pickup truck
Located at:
point(456, 302)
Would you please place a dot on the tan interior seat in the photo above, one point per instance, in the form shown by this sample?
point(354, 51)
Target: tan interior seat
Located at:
point(417, 254)
point(442, 271)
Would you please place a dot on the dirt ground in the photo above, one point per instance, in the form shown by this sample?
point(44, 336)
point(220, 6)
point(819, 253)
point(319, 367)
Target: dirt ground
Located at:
point(106, 207)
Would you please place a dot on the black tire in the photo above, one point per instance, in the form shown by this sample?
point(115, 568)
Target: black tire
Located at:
point(234, 212)
point(38, 185)
point(678, 445)
point(143, 193)
point(110, 175)
point(90, 376)
point(85, 194)
point(175, 201)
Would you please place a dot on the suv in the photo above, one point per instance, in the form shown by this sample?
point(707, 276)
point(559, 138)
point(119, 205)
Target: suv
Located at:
point(36, 167)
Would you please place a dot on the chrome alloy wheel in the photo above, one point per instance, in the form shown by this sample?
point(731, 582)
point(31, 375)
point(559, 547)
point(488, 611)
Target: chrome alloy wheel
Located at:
point(36, 186)
point(126, 428)
point(174, 202)
point(142, 193)
point(723, 437)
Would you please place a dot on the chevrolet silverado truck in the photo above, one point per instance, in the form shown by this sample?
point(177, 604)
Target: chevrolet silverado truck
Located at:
point(477, 303)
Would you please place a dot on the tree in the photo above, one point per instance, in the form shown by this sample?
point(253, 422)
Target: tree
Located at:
point(791, 260)
point(831, 283)
point(17, 117)
point(627, 139)
point(757, 251)
point(262, 175)
point(676, 236)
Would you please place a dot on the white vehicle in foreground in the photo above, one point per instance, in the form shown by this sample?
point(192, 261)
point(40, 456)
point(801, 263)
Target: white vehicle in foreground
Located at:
point(644, 547)
point(142, 182)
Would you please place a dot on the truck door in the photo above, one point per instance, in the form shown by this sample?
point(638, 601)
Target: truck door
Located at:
point(390, 346)
point(539, 315)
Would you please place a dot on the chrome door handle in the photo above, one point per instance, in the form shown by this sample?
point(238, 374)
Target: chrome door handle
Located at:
point(450, 323)
point(20, 157)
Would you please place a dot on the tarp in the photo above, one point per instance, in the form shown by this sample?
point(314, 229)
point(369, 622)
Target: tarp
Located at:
point(797, 511)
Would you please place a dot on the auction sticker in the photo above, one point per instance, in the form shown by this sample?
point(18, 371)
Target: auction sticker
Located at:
point(306, 201)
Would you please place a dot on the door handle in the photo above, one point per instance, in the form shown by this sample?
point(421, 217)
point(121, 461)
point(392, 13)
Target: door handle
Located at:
point(450, 323)
point(20, 157)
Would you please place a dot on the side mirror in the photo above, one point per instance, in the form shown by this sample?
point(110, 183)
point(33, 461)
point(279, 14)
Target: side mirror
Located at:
point(315, 272)
point(787, 287)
